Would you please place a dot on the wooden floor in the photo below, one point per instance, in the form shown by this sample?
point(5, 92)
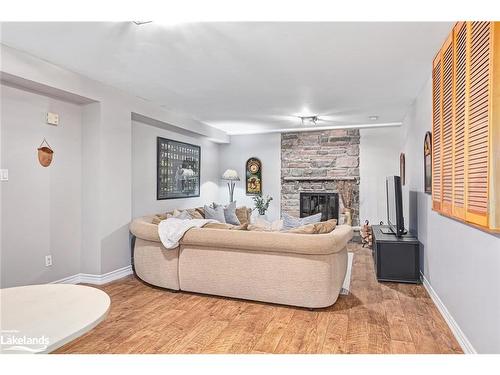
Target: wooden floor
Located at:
point(374, 318)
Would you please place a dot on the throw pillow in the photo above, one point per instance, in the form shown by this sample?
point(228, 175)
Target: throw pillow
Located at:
point(290, 222)
point(158, 218)
point(194, 213)
point(243, 214)
point(182, 215)
point(230, 214)
point(201, 211)
point(216, 213)
point(263, 225)
point(316, 228)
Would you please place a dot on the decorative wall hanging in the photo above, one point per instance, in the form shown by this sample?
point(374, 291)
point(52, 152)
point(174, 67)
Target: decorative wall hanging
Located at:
point(45, 154)
point(178, 169)
point(428, 163)
point(254, 177)
point(402, 172)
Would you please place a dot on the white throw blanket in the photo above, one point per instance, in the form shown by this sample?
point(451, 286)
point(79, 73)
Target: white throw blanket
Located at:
point(172, 229)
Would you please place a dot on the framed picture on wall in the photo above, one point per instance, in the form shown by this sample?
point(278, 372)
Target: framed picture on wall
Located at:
point(428, 163)
point(253, 176)
point(178, 169)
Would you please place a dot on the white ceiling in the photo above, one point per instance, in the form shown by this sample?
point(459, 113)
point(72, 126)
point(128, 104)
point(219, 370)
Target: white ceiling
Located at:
point(249, 77)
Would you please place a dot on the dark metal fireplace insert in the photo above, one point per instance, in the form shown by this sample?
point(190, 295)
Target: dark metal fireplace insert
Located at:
point(326, 203)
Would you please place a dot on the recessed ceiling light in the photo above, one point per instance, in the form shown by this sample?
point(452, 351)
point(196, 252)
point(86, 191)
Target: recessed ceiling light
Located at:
point(373, 118)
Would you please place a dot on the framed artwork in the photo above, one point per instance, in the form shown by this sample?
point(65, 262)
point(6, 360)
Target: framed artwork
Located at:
point(428, 163)
point(178, 169)
point(402, 172)
point(253, 176)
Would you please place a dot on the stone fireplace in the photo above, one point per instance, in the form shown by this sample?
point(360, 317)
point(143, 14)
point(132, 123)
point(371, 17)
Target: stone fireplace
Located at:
point(314, 162)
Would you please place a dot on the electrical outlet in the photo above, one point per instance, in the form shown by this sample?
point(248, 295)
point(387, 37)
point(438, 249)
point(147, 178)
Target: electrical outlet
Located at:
point(48, 260)
point(4, 175)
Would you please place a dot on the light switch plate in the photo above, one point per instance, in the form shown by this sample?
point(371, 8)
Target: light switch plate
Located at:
point(52, 118)
point(4, 175)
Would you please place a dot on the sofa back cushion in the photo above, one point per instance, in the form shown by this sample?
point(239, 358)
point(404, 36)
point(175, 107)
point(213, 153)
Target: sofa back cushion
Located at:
point(216, 213)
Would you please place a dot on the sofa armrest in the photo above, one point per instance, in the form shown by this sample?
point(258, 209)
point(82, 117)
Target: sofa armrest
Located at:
point(143, 228)
point(318, 244)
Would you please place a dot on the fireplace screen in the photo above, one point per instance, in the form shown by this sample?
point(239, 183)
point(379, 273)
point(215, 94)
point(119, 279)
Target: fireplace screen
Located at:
point(326, 203)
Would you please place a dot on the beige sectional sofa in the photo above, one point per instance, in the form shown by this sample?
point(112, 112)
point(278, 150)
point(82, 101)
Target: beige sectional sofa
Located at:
point(286, 268)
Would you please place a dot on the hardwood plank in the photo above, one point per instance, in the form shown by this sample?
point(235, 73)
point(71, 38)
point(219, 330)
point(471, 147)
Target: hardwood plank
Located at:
point(402, 347)
point(373, 318)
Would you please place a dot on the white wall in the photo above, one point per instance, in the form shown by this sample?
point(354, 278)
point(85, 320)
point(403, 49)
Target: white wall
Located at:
point(144, 171)
point(41, 207)
point(107, 149)
point(461, 262)
point(379, 157)
point(266, 147)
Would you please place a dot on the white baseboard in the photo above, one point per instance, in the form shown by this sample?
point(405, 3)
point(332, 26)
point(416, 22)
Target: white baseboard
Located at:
point(73, 279)
point(87, 278)
point(464, 342)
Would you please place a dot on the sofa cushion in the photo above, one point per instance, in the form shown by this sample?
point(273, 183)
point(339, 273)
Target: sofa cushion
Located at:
point(243, 214)
point(195, 213)
point(156, 219)
point(182, 214)
point(226, 226)
point(230, 214)
point(275, 242)
point(290, 222)
point(216, 213)
point(316, 228)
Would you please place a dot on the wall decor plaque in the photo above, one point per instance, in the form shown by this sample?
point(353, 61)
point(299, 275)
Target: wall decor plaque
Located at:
point(428, 163)
point(178, 169)
point(253, 176)
point(45, 154)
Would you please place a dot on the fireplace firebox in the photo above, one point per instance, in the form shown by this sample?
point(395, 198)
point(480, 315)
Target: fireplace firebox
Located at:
point(312, 203)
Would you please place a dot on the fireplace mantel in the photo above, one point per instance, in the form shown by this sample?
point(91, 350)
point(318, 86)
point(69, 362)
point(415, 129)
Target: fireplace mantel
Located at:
point(303, 178)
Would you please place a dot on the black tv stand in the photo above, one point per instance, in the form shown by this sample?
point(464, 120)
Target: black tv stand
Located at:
point(396, 259)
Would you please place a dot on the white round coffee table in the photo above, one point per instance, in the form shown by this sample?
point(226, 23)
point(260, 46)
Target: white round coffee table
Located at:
point(42, 318)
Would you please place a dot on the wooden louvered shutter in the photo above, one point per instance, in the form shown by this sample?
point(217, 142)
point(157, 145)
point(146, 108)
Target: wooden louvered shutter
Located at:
point(478, 123)
point(436, 133)
point(447, 128)
point(460, 95)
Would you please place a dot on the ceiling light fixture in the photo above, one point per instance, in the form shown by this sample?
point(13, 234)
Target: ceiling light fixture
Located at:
point(139, 23)
point(309, 120)
point(373, 118)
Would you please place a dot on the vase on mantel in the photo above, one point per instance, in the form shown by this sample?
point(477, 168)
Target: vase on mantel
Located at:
point(348, 216)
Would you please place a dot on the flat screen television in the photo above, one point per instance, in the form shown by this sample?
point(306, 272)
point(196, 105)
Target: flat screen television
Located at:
point(395, 218)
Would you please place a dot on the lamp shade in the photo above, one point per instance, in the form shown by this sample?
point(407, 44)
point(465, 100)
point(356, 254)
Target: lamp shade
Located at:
point(231, 175)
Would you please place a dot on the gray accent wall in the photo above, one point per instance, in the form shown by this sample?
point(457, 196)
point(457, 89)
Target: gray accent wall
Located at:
point(144, 200)
point(41, 207)
point(461, 263)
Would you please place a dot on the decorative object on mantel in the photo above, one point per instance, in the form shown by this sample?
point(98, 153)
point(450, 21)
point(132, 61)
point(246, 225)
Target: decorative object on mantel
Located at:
point(346, 189)
point(366, 234)
point(428, 163)
point(402, 172)
point(230, 175)
point(178, 169)
point(45, 154)
point(262, 204)
point(253, 176)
